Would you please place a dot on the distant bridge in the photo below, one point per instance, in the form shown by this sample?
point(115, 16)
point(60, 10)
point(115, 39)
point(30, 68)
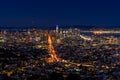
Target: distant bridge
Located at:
point(104, 31)
point(86, 38)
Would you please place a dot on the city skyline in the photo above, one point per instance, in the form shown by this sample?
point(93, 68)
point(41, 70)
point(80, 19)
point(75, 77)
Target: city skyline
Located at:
point(49, 13)
point(59, 40)
point(37, 54)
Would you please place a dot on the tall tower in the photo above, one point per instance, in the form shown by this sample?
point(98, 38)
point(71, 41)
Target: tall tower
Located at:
point(57, 29)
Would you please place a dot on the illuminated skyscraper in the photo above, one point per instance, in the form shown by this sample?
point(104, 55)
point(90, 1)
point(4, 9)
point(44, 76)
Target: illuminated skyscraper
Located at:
point(57, 29)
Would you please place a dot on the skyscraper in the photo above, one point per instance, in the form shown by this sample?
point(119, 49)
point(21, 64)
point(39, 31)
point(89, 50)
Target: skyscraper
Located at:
point(57, 29)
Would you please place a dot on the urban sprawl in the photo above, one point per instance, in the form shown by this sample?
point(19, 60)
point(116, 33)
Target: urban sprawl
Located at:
point(60, 54)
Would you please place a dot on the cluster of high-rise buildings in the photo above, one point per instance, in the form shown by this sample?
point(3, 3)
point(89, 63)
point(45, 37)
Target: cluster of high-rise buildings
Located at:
point(58, 35)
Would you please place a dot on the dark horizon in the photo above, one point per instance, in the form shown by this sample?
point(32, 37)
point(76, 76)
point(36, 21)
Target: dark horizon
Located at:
point(82, 27)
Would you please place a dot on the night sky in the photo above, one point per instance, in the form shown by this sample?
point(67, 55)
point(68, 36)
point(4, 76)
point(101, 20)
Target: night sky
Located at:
point(59, 12)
